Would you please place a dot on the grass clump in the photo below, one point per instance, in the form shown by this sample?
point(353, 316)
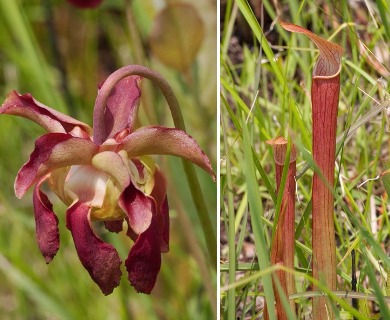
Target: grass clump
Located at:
point(265, 93)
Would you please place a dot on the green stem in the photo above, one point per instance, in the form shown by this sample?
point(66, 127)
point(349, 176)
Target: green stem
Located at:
point(156, 78)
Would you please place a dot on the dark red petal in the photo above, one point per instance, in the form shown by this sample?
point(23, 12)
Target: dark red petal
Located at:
point(27, 107)
point(138, 208)
point(159, 191)
point(164, 226)
point(84, 4)
point(162, 140)
point(114, 226)
point(121, 110)
point(130, 233)
point(100, 259)
point(144, 260)
point(159, 194)
point(53, 151)
point(46, 224)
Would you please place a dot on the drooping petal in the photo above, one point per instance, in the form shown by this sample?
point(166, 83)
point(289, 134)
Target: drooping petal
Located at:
point(164, 226)
point(51, 120)
point(85, 4)
point(170, 141)
point(144, 260)
point(138, 208)
point(100, 259)
point(159, 194)
point(46, 224)
point(159, 191)
point(53, 151)
point(120, 111)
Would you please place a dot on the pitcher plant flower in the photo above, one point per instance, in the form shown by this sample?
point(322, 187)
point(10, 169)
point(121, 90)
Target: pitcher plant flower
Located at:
point(325, 98)
point(103, 174)
point(283, 244)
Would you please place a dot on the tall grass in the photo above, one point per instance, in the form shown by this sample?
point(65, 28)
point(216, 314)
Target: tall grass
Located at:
point(92, 44)
point(265, 92)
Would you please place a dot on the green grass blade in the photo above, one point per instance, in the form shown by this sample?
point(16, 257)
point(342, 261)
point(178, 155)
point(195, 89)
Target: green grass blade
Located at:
point(384, 11)
point(385, 311)
point(256, 211)
point(34, 291)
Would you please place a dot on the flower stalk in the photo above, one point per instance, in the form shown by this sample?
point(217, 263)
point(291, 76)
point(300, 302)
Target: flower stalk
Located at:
point(283, 249)
point(325, 96)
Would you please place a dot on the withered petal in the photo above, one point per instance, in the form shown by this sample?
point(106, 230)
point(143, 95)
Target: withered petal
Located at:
point(164, 226)
point(144, 260)
point(46, 224)
point(159, 194)
point(99, 258)
point(130, 233)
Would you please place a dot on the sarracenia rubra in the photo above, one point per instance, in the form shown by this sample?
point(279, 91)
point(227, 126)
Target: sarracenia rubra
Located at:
point(283, 249)
point(325, 97)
